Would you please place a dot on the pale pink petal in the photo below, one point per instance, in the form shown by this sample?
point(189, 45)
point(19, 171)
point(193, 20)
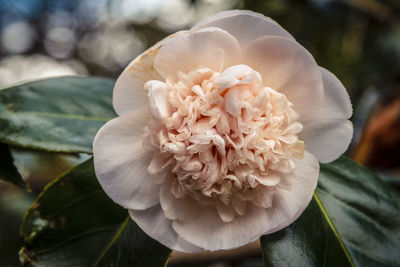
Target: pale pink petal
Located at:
point(209, 47)
point(328, 133)
point(327, 140)
point(290, 201)
point(288, 68)
point(129, 93)
point(337, 103)
point(268, 180)
point(232, 103)
point(177, 208)
point(209, 232)
point(225, 212)
point(238, 74)
point(156, 225)
point(121, 162)
point(158, 99)
point(244, 25)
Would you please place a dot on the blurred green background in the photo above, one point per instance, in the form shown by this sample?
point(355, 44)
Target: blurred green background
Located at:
point(358, 40)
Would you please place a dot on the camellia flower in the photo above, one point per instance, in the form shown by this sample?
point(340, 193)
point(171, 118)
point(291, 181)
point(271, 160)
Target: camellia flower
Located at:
point(219, 133)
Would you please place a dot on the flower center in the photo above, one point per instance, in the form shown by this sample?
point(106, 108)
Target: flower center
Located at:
point(227, 139)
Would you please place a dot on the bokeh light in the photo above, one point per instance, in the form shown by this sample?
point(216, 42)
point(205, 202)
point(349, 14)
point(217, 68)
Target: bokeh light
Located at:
point(17, 37)
point(104, 35)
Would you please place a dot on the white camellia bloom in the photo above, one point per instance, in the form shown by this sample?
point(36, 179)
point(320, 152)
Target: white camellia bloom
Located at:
point(219, 133)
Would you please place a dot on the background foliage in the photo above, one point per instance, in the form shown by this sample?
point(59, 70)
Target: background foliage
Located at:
point(359, 41)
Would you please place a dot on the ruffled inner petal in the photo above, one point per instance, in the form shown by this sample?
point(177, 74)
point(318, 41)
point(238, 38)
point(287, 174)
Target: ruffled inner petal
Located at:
point(225, 140)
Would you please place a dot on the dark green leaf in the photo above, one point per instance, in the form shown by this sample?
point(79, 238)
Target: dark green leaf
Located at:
point(365, 211)
point(309, 241)
point(351, 221)
point(59, 114)
point(74, 223)
point(8, 171)
point(134, 248)
point(13, 204)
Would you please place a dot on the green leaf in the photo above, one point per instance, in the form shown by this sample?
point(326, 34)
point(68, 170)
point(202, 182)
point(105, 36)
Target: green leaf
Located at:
point(127, 250)
point(74, 223)
point(8, 171)
point(59, 114)
point(13, 205)
point(352, 221)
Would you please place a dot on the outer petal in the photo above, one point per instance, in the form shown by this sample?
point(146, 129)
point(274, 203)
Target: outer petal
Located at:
point(290, 203)
point(129, 93)
point(328, 132)
point(289, 68)
point(206, 230)
point(156, 225)
point(121, 162)
point(335, 97)
point(177, 208)
point(209, 232)
point(209, 47)
point(244, 25)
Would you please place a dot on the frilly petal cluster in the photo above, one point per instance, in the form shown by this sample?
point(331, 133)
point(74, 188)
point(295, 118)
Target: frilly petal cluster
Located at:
point(219, 132)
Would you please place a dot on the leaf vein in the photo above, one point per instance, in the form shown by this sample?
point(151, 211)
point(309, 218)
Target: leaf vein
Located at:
point(332, 226)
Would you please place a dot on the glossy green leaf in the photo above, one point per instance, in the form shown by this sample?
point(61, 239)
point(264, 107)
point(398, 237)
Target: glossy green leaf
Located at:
point(353, 220)
point(134, 248)
point(309, 241)
point(8, 171)
point(74, 223)
point(58, 114)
